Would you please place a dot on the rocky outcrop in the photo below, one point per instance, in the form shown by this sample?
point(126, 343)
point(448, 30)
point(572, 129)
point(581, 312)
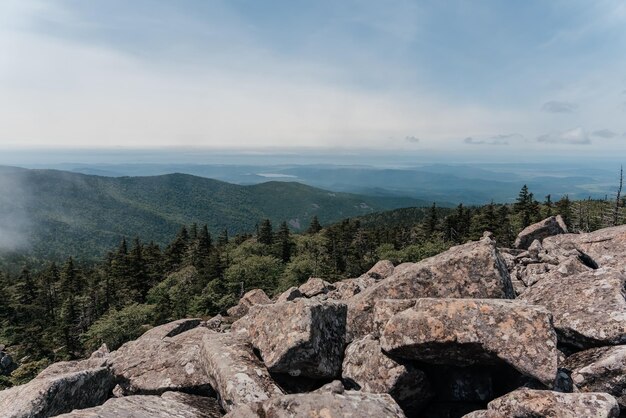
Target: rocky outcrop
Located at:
point(601, 369)
point(251, 298)
point(475, 331)
point(554, 225)
point(473, 270)
point(235, 373)
point(589, 308)
point(300, 338)
point(380, 270)
point(385, 309)
point(322, 405)
point(170, 404)
point(290, 294)
point(165, 358)
point(54, 392)
point(528, 403)
point(373, 371)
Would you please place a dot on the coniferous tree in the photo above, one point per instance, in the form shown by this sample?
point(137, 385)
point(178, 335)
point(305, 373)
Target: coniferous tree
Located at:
point(265, 235)
point(284, 241)
point(431, 222)
point(314, 226)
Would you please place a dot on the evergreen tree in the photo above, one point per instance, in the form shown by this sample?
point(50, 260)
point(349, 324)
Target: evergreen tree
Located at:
point(265, 235)
point(431, 222)
point(314, 226)
point(284, 241)
point(547, 204)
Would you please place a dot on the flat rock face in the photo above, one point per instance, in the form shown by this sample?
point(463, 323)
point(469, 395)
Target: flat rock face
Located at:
point(315, 287)
point(472, 270)
point(600, 369)
point(551, 226)
point(251, 298)
point(366, 365)
point(528, 403)
point(170, 404)
point(163, 359)
point(589, 308)
point(323, 405)
point(385, 309)
point(476, 331)
point(301, 338)
point(55, 394)
point(235, 373)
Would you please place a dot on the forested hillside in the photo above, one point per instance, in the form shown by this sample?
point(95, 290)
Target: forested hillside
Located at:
point(63, 311)
point(55, 214)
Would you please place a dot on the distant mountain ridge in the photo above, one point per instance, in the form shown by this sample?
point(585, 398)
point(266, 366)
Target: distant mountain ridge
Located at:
point(62, 213)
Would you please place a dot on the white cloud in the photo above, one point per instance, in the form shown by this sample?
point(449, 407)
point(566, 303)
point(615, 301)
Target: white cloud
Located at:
point(576, 136)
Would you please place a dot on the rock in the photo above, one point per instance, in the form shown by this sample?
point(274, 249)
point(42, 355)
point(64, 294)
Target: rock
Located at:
point(530, 403)
point(484, 414)
point(385, 309)
point(554, 225)
point(333, 387)
point(170, 404)
point(322, 405)
point(345, 289)
point(605, 247)
point(290, 294)
point(600, 369)
point(314, 287)
point(589, 308)
point(476, 331)
point(472, 270)
point(56, 391)
point(301, 338)
point(235, 373)
point(381, 270)
point(374, 372)
point(215, 323)
point(163, 359)
point(7, 365)
point(251, 298)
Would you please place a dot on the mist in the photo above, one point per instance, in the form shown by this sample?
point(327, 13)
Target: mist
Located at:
point(14, 222)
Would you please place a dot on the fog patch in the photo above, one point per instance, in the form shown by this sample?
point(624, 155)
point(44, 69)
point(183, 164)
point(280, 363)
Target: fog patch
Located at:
point(14, 222)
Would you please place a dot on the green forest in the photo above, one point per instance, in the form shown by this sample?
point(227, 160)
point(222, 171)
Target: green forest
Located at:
point(53, 311)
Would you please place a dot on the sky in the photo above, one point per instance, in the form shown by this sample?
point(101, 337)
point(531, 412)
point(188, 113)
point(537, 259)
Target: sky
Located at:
point(474, 78)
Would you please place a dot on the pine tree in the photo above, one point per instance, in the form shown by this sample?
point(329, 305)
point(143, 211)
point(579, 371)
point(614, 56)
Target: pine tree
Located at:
point(564, 208)
point(431, 222)
point(314, 226)
point(265, 235)
point(284, 241)
point(548, 206)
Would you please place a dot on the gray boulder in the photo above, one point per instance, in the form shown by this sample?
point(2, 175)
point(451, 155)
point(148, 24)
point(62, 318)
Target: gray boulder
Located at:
point(51, 394)
point(554, 225)
point(165, 358)
point(476, 331)
point(472, 270)
point(170, 404)
point(251, 298)
point(7, 365)
point(315, 287)
point(601, 369)
point(235, 373)
point(301, 338)
point(290, 294)
point(373, 371)
point(589, 308)
point(529, 403)
point(322, 405)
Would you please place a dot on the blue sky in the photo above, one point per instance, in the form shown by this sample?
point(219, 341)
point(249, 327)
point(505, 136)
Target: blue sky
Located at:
point(470, 77)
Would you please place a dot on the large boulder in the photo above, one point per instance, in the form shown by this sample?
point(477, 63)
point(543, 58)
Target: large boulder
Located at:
point(529, 403)
point(170, 404)
point(380, 270)
point(554, 225)
point(589, 308)
point(347, 288)
point(385, 309)
point(165, 358)
point(476, 331)
point(7, 365)
point(322, 405)
point(472, 270)
point(251, 298)
point(605, 247)
point(234, 371)
point(300, 338)
point(373, 371)
point(315, 287)
point(290, 294)
point(54, 392)
point(601, 369)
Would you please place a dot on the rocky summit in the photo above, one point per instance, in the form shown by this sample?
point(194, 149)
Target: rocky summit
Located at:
point(538, 330)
